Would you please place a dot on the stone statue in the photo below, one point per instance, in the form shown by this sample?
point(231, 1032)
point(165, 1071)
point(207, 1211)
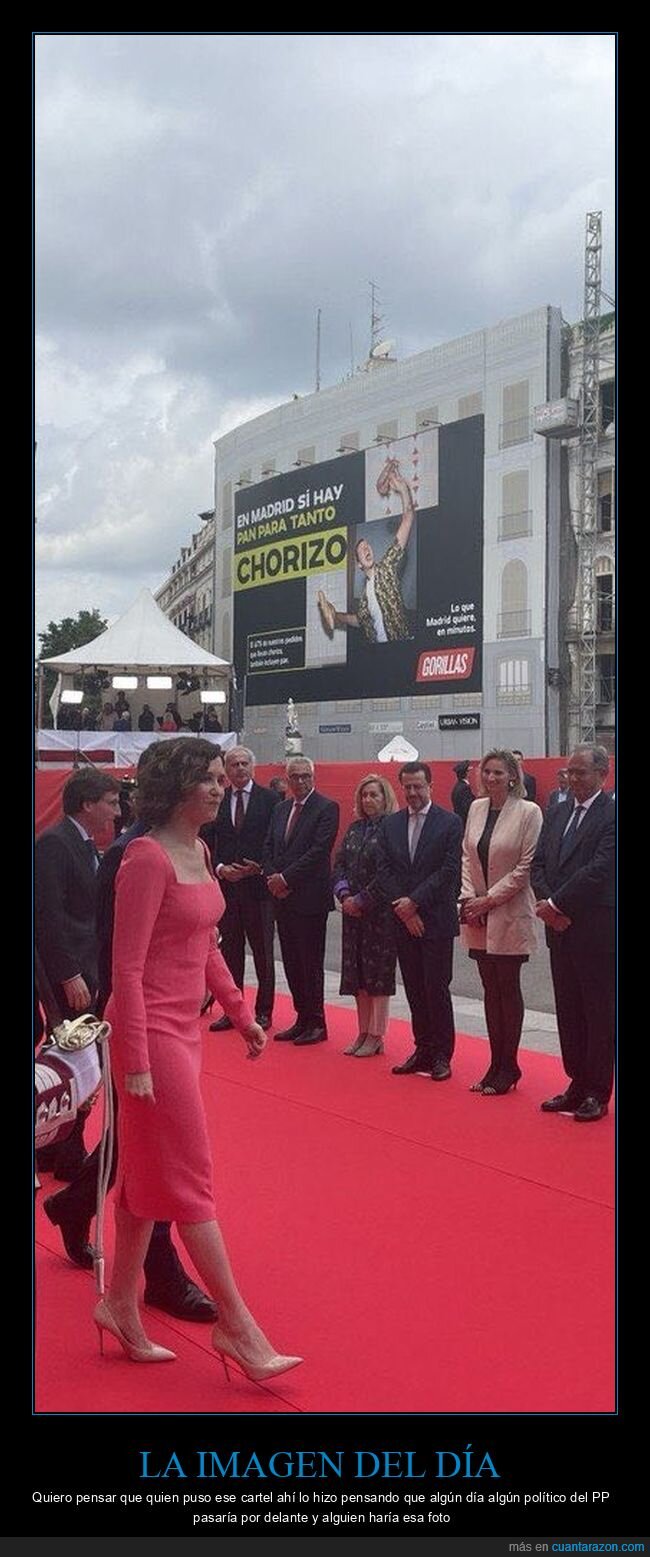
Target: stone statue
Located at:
point(293, 738)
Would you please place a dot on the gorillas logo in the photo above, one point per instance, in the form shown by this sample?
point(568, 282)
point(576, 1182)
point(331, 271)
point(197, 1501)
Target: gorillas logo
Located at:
point(445, 665)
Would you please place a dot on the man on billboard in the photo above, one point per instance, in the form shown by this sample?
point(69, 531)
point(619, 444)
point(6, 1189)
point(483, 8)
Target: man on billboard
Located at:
point(381, 613)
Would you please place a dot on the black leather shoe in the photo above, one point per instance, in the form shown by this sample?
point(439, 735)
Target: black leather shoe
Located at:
point(74, 1230)
point(181, 1298)
point(592, 1108)
point(562, 1103)
point(415, 1062)
point(312, 1035)
point(440, 1070)
point(224, 1025)
point(288, 1034)
point(264, 1022)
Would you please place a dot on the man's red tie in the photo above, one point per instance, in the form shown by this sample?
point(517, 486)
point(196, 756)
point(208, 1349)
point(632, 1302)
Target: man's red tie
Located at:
point(297, 808)
point(239, 811)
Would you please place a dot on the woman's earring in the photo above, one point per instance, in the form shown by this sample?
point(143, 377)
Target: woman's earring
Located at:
point(511, 783)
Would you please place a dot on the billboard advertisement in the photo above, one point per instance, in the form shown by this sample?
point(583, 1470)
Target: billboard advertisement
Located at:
point(362, 576)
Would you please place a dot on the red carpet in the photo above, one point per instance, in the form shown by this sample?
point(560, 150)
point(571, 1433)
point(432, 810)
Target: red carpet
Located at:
point(425, 1249)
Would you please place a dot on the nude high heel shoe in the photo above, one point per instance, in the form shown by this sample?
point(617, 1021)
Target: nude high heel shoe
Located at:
point(148, 1352)
point(259, 1373)
point(357, 1043)
point(372, 1045)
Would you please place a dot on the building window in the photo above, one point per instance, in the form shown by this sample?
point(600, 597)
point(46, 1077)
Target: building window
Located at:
point(514, 616)
point(513, 683)
point(607, 398)
point(386, 432)
point(605, 500)
point(515, 425)
point(516, 517)
point(606, 670)
point(226, 571)
point(349, 443)
point(349, 705)
point(385, 705)
point(470, 405)
point(426, 418)
point(604, 601)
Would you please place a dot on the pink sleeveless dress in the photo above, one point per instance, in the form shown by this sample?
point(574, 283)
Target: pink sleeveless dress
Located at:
point(164, 954)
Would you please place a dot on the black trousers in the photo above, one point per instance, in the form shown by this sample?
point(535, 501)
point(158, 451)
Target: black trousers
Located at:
point(251, 919)
point(302, 940)
point(426, 968)
point(583, 972)
point(504, 1012)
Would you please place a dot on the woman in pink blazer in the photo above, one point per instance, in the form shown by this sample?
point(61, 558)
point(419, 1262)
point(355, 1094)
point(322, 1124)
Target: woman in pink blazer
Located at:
point(497, 907)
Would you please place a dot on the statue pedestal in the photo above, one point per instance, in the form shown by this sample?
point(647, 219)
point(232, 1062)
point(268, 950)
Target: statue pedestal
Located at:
point(293, 743)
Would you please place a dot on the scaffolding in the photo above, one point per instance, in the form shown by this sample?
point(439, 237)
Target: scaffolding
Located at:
point(587, 688)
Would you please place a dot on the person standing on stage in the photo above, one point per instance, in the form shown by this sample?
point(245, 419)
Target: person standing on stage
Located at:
point(497, 908)
point(530, 782)
point(573, 878)
point(368, 949)
point(419, 874)
point(462, 794)
point(296, 860)
point(66, 863)
point(167, 1284)
point(235, 841)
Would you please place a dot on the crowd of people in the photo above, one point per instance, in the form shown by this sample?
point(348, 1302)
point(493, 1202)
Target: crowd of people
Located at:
point(134, 934)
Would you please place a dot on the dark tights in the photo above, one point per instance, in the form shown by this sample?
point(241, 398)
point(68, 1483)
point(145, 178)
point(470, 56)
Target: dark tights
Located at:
point(504, 1013)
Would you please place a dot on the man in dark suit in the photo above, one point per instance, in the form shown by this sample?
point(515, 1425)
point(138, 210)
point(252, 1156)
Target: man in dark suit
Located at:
point(419, 874)
point(530, 782)
point(235, 841)
point(573, 878)
point(296, 861)
point(167, 1285)
point(559, 796)
point(462, 794)
point(66, 862)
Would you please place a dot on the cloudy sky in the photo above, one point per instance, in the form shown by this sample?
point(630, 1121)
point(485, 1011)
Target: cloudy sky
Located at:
point(198, 197)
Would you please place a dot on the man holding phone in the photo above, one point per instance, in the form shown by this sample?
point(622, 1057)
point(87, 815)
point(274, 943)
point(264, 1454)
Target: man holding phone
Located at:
point(235, 840)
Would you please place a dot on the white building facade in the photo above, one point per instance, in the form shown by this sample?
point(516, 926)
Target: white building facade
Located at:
point(501, 374)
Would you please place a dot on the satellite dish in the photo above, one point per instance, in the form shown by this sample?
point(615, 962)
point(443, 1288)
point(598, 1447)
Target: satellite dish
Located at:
point(382, 349)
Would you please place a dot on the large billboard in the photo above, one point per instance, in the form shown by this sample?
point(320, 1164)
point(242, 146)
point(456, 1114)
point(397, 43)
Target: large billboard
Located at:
point(363, 576)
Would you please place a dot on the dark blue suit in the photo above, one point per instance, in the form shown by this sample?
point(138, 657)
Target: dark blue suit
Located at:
point(304, 861)
point(249, 906)
point(66, 891)
point(432, 880)
point(581, 885)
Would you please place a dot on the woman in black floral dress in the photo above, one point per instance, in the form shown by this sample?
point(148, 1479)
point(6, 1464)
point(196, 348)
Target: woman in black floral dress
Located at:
point(368, 963)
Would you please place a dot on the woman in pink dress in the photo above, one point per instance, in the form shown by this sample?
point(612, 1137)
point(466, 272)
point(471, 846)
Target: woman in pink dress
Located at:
point(164, 953)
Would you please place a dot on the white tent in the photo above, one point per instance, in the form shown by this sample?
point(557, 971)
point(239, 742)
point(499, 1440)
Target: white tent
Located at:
point(142, 642)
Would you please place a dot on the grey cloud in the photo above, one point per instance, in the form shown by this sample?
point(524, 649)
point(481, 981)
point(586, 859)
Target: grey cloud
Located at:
point(199, 197)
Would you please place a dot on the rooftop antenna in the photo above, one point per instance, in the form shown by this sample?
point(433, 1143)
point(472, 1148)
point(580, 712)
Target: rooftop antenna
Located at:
point(318, 313)
point(376, 319)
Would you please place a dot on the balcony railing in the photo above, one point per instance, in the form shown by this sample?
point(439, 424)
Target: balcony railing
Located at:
point(513, 624)
point(514, 696)
point(512, 526)
point(517, 431)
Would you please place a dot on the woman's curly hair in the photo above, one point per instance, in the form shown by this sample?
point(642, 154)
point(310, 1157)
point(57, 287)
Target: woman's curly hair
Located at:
point(173, 771)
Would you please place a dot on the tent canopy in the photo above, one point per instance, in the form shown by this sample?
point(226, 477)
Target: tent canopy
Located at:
point(143, 640)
